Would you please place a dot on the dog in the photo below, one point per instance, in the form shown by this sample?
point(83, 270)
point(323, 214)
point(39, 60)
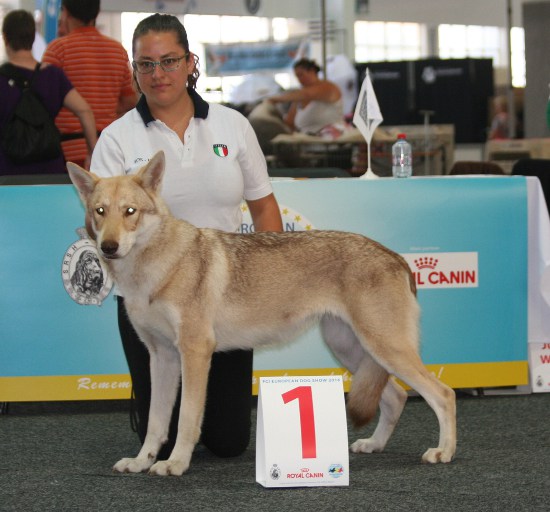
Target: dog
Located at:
point(191, 291)
point(88, 275)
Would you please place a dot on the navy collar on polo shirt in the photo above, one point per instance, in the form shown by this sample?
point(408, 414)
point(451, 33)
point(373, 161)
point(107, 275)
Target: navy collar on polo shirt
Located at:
point(200, 106)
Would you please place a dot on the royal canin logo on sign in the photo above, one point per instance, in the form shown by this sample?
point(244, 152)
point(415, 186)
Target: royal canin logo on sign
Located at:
point(444, 269)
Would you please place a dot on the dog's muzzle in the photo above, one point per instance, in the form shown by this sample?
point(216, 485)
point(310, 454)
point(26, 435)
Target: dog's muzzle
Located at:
point(109, 249)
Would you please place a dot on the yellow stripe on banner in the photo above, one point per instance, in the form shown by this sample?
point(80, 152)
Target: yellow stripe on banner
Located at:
point(482, 375)
point(66, 387)
point(119, 386)
point(467, 375)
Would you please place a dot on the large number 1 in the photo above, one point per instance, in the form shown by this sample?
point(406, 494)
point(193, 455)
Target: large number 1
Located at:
point(307, 419)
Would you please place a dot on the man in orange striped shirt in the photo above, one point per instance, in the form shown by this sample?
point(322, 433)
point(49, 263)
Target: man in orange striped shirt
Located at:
point(97, 66)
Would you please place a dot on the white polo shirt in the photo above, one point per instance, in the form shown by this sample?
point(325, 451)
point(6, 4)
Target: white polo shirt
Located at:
point(206, 178)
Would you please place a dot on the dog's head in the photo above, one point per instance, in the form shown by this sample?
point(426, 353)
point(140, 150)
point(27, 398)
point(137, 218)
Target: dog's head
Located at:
point(123, 210)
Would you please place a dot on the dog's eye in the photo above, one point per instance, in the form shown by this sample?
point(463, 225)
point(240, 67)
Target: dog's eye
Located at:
point(100, 210)
point(130, 211)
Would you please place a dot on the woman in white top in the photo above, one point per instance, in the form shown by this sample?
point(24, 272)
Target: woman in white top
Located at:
point(316, 105)
point(213, 162)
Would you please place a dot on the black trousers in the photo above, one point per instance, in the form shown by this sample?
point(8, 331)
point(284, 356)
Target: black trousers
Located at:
point(226, 423)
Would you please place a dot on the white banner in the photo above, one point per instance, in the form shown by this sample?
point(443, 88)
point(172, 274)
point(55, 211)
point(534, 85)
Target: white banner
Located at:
point(539, 364)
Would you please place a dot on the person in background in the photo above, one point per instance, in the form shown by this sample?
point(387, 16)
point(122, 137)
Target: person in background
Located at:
point(98, 67)
point(499, 123)
point(316, 105)
point(62, 29)
point(51, 85)
point(213, 162)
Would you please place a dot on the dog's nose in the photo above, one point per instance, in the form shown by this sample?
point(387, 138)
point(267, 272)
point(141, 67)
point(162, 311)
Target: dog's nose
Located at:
point(109, 247)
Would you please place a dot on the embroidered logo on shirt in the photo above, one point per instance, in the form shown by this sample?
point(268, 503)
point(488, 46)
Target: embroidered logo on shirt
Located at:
point(220, 150)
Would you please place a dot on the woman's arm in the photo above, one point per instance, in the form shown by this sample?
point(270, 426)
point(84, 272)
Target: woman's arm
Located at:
point(290, 116)
point(80, 108)
point(321, 91)
point(265, 214)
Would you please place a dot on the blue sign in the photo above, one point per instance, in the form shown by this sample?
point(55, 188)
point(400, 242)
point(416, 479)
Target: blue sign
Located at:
point(50, 11)
point(245, 58)
point(465, 240)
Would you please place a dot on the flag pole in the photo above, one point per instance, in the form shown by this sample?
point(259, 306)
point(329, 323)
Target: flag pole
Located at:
point(368, 156)
point(369, 174)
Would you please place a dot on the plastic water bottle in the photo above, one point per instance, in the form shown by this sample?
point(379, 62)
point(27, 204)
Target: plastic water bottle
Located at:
point(402, 158)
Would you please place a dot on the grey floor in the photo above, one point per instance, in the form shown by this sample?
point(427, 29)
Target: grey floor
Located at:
point(58, 456)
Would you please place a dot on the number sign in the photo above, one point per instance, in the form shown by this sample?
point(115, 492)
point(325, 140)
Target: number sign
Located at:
point(301, 437)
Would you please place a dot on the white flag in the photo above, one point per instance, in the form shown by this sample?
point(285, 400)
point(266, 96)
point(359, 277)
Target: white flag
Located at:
point(367, 114)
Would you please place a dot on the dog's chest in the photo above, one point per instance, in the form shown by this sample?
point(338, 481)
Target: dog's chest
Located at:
point(157, 319)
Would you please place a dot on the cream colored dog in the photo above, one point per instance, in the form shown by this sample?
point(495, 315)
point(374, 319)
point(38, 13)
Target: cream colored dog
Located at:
point(190, 292)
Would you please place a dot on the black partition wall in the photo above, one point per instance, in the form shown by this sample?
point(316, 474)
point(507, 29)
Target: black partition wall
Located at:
point(457, 91)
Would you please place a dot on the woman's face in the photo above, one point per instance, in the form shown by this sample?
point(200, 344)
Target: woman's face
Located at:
point(161, 87)
point(305, 76)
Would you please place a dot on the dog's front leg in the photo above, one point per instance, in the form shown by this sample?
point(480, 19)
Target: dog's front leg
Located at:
point(165, 375)
point(195, 368)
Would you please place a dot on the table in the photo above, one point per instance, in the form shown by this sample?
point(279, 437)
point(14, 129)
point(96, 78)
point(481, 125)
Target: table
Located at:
point(475, 330)
point(433, 148)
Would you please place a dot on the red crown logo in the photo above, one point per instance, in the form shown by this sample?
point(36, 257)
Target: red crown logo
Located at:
point(426, 262)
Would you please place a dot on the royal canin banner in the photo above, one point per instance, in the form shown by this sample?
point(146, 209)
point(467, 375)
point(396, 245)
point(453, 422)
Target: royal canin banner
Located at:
point(444, 269)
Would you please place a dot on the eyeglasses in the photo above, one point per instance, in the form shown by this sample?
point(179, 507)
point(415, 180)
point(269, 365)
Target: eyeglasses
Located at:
point(147, 67)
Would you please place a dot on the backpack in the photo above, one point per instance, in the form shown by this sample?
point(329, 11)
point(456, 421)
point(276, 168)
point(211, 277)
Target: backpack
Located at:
point(30, 135)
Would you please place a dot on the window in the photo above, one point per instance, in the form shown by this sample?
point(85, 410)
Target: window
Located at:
point(518, 57)
point(381, 41)
point(460, 41)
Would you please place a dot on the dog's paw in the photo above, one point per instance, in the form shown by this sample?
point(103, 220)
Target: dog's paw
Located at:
point(436, 455)
point(169, 468)
point(366, 446)
point(131, 465)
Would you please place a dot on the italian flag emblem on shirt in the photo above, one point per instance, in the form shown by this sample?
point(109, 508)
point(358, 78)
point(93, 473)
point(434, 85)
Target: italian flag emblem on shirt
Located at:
point(220, 149)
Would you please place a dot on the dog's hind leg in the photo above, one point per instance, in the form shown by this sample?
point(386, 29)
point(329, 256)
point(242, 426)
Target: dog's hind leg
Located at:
point(392, 403)
point(165, 375)
point(441, 398)
point(370, 386)
point(403, 361)
point(393, 343)
point(367, 386)
point(195, 366)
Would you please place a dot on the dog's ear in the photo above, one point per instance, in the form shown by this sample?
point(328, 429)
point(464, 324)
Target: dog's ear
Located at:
point(83, 180)
point(150, 176)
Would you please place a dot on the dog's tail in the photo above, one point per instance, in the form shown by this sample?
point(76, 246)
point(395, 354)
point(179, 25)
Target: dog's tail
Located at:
point(367, 385)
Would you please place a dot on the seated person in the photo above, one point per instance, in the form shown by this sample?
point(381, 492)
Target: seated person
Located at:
point(499, 124)
point(316, 105)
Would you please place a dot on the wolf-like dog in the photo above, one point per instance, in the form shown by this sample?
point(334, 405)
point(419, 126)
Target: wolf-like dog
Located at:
point(190, 292)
